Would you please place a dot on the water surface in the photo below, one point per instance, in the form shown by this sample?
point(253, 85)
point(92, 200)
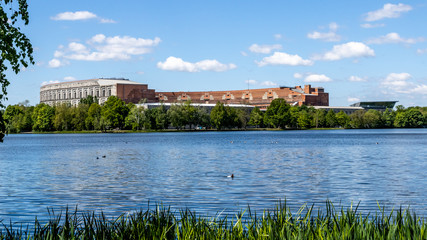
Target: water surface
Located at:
point(189, 169)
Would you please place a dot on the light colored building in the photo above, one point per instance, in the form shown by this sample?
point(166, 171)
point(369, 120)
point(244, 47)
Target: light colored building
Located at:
point(102, 88)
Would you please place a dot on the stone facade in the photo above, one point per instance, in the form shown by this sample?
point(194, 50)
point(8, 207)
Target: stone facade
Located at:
point(128, 91)
point(102, 88)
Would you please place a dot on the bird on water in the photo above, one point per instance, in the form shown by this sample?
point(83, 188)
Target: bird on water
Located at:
point(231, 176)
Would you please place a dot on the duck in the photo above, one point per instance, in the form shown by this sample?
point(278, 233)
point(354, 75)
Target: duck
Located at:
point(231, 176)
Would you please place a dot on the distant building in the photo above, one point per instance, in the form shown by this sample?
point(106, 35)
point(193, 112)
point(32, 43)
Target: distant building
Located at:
point(102, 88)
point(376, 105)
point(129, 91)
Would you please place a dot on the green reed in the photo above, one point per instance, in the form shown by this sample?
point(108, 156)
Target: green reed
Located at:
point(160, 222)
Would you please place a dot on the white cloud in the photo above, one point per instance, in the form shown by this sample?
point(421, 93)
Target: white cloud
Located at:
point(74, 16)
point(268, 83)
point(69, 78)
point(243, 53)
point(251, 82)
point(105, 20)
point(399, 83)
point(394, 38)
point(265, 49)
point(298, 75)
point(317, 78)
point(80, 15)
point(420, 89)
point(281, 58)
point(177, 64)
point(422, 51)
point(330, 36)
point(101, 48)
point(77, 47)
point(356, 79)
point(353, 99)
point(50, 82)
point(265, 83)
point(370, 25)
point(347, 50)
point(312, 77)
point(388, 11)
point(55, 63)
point(278, 36)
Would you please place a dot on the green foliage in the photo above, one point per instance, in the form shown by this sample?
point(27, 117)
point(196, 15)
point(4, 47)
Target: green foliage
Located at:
point(114, 112)
point(63, 117)
point(411, 118)
point(330, 119)
point(43, 116)
point(15, 47)
point(388, 118)
point(256, 118)
point(372, 119)
point(219, 116)
point(281, 222)
point(159, 118)
point(342, 119)
point(319, 118)
point(93, 117)
point(356, 119)
point(89, 100)
point(277, 114)
point(138, 118)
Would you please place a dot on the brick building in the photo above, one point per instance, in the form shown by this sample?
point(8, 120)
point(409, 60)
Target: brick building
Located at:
point(130, 91)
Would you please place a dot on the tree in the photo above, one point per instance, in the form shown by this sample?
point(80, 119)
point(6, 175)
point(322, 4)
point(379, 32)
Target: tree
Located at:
point(372, 119)
point(304, 120)
point(219, 116)
point(388, 118)
point(356, 119)
point(331, 120)
point(319, 118)
point(93, 118)
point(137, 118)
point(342, 119)
point(89, 100)
point(256, 118)
point(63, 117)
point(43, 115)
point(15, 47)
point(159, 118)
point(410, 118)
point(114, 112)
point(277, 114)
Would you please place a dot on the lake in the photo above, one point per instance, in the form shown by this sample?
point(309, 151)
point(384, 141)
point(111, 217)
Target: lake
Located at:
point(190, 169)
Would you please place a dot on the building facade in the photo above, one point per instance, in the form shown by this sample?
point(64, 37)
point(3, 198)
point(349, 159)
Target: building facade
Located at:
point(129, 91)
point(102, 88)
point(256, 97)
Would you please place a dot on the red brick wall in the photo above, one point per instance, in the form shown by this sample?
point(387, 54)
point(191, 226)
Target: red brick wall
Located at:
point(134, 93)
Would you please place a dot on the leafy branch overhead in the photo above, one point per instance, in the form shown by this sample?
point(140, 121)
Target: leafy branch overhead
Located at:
point(15, 48)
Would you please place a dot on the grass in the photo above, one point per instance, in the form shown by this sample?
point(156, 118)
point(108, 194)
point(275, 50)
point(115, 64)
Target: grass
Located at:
point(162, 223)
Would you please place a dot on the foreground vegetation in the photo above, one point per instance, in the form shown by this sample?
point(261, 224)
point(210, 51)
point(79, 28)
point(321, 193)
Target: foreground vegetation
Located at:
point(280, 223)
point(115, 114)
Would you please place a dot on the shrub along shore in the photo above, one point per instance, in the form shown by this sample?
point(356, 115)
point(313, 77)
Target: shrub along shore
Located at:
point(116, 115)
point(281, 223)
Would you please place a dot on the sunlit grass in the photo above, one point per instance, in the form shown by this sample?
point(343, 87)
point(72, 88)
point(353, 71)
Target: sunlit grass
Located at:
point(161, 222)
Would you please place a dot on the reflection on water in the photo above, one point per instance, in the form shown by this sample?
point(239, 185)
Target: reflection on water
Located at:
point(190, 169)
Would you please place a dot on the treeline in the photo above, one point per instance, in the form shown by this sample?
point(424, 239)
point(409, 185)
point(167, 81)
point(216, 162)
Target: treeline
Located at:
point(116, 114)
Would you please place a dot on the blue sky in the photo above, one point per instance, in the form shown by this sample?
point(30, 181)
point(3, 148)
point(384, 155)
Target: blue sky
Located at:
point(356, 50)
